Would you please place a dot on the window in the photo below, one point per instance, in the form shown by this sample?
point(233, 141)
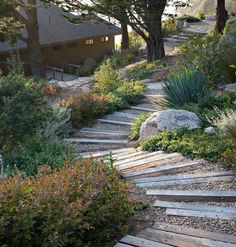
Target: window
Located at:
point(89, 42)
point(105, 39)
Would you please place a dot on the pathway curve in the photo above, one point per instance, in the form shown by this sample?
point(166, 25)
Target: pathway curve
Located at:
point(190, 203)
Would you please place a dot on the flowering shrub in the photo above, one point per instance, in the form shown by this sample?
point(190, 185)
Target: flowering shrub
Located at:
point(83, 205)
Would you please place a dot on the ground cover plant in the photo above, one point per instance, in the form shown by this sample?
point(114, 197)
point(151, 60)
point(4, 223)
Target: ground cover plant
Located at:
point(60, 208)
point(189, 18)
point(193, 144)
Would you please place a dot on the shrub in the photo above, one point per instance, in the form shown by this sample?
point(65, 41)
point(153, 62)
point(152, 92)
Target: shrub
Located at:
point(226, 122)
point(185, 87)
point(188, 18)
point(107, 79)
point(193, 144)
point(202, 16)
point(83, 205)
point(119, 59)
point(24, 109)
point(88, 67)
point(136, 42)
point(86, 108)
point(136, 125)
point(202, 53)
point(37, 151)
point(169, 27)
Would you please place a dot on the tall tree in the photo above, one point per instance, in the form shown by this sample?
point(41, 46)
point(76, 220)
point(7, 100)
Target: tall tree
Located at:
point(221, 16)
point(24, 14)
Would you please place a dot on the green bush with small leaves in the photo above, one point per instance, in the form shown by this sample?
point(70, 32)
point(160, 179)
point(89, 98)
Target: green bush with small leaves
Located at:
point(189, 18)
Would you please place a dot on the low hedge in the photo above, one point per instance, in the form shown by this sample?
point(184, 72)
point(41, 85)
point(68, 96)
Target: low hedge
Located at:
point(83, 205)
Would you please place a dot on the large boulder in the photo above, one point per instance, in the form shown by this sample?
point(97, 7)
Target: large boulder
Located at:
point(229, 37)
point(168, 120)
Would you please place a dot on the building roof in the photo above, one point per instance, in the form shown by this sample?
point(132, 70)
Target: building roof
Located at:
point(55, 29)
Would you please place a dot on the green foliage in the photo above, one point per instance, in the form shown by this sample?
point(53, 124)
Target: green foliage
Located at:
point(185, 87)
point(202, 16)
point(169, 27)
point(119, 59)
point(189, 18)
point(83, 205)
point(37, 151)
point(88, 67)
point(145, 70)
point(23, 109)
point(107, 78)
point(193, 144)
point(136, 125)
point(202, 53)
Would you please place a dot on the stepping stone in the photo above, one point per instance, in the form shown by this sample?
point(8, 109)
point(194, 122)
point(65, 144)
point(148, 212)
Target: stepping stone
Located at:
point(141, 242)
point(112, 132)
point(107, 121)
point(200, 214)
point(187, 181)
point(94, 141)
point(196, 195)
point(195, 207)
point(165, 170)
point(138, 157)
point(148, 162)
point(196, 232)
point(180, 240)
point(142, 109)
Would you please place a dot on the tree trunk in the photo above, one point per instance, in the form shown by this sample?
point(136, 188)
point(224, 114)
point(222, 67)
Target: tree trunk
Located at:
point(125, 37)
point(222, 16)
point(155, 46)
point(35, 56)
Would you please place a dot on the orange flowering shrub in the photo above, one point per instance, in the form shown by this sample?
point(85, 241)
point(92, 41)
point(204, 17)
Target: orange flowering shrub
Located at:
point(83, 205)
point(86, 108)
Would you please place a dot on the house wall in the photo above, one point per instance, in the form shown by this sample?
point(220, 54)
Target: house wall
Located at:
point(74, 53)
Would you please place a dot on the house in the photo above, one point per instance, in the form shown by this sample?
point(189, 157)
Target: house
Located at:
point(64, 42)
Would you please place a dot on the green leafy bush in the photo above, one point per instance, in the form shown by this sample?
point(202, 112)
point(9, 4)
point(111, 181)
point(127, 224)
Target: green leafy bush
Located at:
point(88, 67)
point(119, 59)
point(24, 109)
point(202, 16)
point(169, 27)
point(202, 53)
point(193, 144)
point(107, 78)
point(136, 42)
point(136, 125)
point(189, 18)
point(37, 151)
point(83, 205)
point(185, 87)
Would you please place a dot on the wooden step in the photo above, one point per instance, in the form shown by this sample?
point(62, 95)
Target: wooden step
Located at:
point(181, 177)
point(195, 232)
point(126, 115)
point(196, 195)
point(200, 214)
point(139, 157)
point(180, 240)
point(141, 242)
point(149, 162)
point(105, 153)
point(165, 170)
point(142, 109)
point(123, 156)
point(105, 130)
point(108, 121)
point(195, 207)
point(122, 245)
point(187, 181)
point(96, 141)
point(100, 132)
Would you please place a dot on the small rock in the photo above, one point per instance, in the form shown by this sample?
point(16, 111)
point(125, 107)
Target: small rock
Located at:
point(210, 130)
point(230, 87)
point(179, 24)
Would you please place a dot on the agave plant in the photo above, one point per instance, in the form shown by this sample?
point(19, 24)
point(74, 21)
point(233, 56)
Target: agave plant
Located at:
point(185, 87)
